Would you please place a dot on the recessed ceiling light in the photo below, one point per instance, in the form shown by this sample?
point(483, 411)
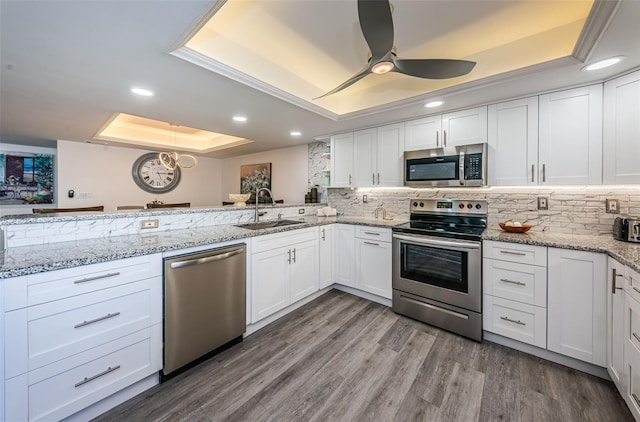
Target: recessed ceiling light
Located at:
point(434, 104)
point(239, 119)
point(295, 133)
point(603, 63)
point(142, 92)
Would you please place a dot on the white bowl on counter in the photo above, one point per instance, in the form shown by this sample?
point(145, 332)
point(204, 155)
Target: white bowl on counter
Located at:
point(239, 199)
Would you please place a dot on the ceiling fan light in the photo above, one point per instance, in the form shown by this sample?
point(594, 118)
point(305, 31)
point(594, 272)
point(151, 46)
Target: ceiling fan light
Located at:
point(601, 64)
point(382, 67)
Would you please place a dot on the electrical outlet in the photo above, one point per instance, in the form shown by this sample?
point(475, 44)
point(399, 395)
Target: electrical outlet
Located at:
point(149, 224)
point(364, 199)
point(613, 206)
point(300, 210)
point(543, 203)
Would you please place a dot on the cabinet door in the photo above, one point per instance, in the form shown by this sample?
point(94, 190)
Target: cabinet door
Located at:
point(373, 267)
point(577, 284)
point(513, 142)
point(364, 148)
point(327, 238)
point(570, 149)
point(615, 323)
point(465, 127)
point(621, 152)
point(345, 244)
point(423, 133)
point(341, 160)
point(303, 270)
point(270, 283)
point(389, 155)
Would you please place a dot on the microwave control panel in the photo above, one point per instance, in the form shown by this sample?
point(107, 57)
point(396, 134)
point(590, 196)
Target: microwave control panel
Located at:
point(473, 167)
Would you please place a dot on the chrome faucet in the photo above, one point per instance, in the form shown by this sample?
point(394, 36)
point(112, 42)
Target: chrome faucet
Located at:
point(273, 201)
point(380, 208)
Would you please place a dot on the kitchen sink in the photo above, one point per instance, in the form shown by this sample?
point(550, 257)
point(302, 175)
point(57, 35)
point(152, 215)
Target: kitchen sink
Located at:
point(269, 224)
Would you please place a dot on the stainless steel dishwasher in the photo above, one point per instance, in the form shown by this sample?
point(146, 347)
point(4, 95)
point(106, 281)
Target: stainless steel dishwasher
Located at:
point(204, 305)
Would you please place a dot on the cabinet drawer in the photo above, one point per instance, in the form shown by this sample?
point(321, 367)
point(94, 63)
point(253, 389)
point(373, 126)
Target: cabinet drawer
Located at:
point(515, 252)
point(373, 233)
point(285, 239)
point(61, 389)
point(53, 285)
point(519, 282)
point(632, 284)
point(519, 321)
point(60, 329)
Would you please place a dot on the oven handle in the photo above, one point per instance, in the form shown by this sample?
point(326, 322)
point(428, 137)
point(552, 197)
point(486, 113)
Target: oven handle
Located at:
point(437, 242)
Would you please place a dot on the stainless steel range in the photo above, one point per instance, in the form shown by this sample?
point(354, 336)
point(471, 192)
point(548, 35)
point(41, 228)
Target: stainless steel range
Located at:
point(437, 264)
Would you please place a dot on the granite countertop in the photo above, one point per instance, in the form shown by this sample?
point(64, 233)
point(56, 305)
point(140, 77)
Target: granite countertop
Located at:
point(624, 252)
point(26, 260)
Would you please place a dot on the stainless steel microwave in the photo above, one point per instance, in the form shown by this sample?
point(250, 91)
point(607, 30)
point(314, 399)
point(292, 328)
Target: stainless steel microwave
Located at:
point(464, 165)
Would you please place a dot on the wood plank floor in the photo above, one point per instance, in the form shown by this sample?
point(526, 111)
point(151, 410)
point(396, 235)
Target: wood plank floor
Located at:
point(343, 358)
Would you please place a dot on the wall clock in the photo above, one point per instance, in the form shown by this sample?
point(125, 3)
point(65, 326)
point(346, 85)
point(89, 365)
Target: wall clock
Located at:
point(150, 175)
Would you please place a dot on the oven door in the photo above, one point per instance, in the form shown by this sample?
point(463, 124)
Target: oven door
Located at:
point(441, 269)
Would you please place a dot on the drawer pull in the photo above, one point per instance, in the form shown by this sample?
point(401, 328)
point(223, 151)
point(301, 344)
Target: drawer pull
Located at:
point(513, 253)
point(636, 399)
point(372, 243)
point(102, 318)
point(86, 380)
point(636, 336)
point(323, 236)
point(512, 320)
point(373, 233)
point(519, 283)
point(98, 277)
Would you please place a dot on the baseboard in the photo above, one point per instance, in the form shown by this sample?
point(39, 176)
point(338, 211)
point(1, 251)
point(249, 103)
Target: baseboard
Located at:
point(579, 365)
point(365, 295)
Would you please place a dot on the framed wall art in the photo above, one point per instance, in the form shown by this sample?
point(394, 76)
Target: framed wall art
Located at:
point(26, 178)
point(254, 176)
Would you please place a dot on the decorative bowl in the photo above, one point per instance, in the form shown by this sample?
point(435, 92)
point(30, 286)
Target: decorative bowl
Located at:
point(239, 199)
point(513, 229)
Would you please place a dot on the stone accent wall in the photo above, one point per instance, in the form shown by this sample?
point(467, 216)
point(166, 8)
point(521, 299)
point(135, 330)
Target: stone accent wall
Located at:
point(572, 210)
point(318, 163)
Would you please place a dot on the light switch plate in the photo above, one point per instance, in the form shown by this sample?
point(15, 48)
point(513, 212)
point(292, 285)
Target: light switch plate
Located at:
point(613, 206)
point(149, 224)
point(364, 199)
point(543, 203)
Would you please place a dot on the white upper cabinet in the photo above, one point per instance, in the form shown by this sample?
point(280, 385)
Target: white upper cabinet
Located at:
point(423, 133)
point(447, 130)
point(465, 127)
point(342, 160)
point(513, 142)
point(570, 137)
point(621, 153)
point(364, 153)
point(389, 162)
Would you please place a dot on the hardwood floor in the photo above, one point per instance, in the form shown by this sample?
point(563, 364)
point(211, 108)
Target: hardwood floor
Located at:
point(343, 358)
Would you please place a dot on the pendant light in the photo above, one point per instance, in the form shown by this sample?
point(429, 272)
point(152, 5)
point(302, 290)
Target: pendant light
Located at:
point(172, 160)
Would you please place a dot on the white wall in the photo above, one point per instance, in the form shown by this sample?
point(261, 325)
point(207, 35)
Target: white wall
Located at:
point(289, 172)
point(105, 173)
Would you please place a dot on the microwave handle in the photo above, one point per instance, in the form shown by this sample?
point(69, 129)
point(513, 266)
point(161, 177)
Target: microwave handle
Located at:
point(437, 137)
point(461, 167)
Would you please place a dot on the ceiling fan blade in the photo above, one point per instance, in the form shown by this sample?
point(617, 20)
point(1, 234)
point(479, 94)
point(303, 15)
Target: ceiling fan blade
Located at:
point(377, 26)
point(433, 68)
point(355, 78)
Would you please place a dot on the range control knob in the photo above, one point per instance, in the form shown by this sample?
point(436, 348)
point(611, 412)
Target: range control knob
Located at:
point(478, 206)
point(469, 206)
point(415, 204)
point(421, 204)
point(461, 206)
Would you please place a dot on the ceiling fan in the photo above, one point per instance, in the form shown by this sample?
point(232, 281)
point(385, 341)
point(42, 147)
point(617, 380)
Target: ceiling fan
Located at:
point(377, 27)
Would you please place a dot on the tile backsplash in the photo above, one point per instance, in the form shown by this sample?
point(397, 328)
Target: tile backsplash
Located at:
point(572, 210)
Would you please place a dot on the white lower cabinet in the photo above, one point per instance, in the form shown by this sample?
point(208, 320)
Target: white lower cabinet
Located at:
point(631, 372)
point(373, 260)
point(577, 304)
point(516, 320)
point(615, 322)
point(345, 255)
point(284, 268)
point(74, 337)
point(327, 255)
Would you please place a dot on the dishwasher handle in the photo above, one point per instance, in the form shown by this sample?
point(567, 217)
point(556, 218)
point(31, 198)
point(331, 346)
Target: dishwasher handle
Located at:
point(206, 259)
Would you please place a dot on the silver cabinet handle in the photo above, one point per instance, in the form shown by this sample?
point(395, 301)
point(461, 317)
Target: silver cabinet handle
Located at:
point(519, 283)
point(91, 378)
point(373, 233)
point(206, 259)
point(544, 173)
point(349, 180)
point(294, 255)
point(533, 172)
point(614, 274)
point(636, 289)
point(102, 318)
point(373, 178)
point(372, 243)
point(378, 178)
point(513, 253)
point(636, 398)
point(636, 336)
point(289, 258)
point(98, 277)
point(444, 138)
point(512, 320)
point(323, 237)
point(437, 137)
